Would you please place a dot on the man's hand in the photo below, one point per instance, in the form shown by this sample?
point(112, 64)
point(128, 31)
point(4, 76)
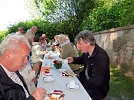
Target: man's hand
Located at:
point(39, 93)
point(36, 66)
point(34, 79)
point(70, 59)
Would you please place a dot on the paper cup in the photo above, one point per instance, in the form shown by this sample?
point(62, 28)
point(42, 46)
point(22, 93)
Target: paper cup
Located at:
point(72, 84)
point(48, 77)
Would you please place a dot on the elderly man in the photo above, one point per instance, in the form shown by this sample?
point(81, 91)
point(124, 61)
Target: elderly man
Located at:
point(14, 50)
point(31, 33)
point(96, 75)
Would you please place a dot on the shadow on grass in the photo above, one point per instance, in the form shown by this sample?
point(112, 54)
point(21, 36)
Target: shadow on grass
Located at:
point(121, 87)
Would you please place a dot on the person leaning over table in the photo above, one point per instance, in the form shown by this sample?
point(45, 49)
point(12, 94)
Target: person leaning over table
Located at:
point(43, 43)
point(31, 33)
point(96, 75)
point(67, 50)
point(14, 50)
point(37, 52)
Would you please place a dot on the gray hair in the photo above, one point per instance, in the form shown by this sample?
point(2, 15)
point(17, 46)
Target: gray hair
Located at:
point(86, 36)
point(34, 27)
point(63, 38)
point(12, 42)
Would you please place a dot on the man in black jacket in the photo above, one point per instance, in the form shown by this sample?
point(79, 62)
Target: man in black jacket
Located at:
point(96, 75)
point(14, 50)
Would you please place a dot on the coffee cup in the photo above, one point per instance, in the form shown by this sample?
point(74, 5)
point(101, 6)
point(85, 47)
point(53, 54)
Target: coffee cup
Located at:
point(48, 77)
point(72, 84)
point(65, 61)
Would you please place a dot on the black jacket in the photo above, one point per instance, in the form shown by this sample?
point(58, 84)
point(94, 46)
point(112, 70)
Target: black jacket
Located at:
point(10, 90)
point(98, 71)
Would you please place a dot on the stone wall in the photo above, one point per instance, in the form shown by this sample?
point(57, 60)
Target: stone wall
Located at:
point(119, 44)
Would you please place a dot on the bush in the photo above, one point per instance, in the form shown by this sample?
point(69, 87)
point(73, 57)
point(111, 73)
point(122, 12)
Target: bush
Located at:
point(3, 34)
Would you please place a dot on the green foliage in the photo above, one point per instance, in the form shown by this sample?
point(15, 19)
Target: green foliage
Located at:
point(58, 66)
point(71, 16)
point(110, 15)
point(120, 86)
point(3, 35)
point(50, 29)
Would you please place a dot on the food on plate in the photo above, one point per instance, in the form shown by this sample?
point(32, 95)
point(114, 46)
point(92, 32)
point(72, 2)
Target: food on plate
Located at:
point(45, 70)
point(65, 73)
point(55, 95)
point(68, 74)
point(49, 57)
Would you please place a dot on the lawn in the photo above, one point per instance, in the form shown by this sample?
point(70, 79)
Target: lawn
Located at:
point(121, 87)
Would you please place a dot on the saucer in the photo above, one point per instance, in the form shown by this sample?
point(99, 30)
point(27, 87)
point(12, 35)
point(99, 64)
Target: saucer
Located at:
point(55, 95)
point(76, 87)
point(45, 80)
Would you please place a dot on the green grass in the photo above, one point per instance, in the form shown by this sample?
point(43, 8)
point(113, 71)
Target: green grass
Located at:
point(121, 87)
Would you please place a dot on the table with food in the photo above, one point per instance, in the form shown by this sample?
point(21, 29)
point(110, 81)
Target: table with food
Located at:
point(59, 80)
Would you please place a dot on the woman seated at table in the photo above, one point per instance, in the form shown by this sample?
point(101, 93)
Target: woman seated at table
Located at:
point(67, 50)
point(37, 52)
point(43, 43)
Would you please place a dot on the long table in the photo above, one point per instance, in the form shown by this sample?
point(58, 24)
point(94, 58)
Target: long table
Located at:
point(60, 82)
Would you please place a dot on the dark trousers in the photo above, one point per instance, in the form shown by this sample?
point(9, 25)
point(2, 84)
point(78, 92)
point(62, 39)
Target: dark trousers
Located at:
point(94, 93)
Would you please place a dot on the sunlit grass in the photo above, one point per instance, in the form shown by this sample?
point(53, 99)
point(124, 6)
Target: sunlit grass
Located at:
point(121, 87)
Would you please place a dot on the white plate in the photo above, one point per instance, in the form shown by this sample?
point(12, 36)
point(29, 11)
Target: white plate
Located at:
point(54, 95)
point(61, 70)
point(46, 98)
point(45, 80)
point(44, 75)
point(76, 87)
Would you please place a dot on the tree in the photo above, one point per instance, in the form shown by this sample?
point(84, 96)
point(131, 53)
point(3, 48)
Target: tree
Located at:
point(33, 10)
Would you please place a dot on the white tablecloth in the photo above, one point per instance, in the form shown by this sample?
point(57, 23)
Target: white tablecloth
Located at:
point(60, 83)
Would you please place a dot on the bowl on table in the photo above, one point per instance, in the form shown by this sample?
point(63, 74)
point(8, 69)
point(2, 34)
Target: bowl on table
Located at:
point(57, 64)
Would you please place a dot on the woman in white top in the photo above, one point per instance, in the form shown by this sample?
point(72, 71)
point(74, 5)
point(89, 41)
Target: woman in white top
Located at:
point(37, 52)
